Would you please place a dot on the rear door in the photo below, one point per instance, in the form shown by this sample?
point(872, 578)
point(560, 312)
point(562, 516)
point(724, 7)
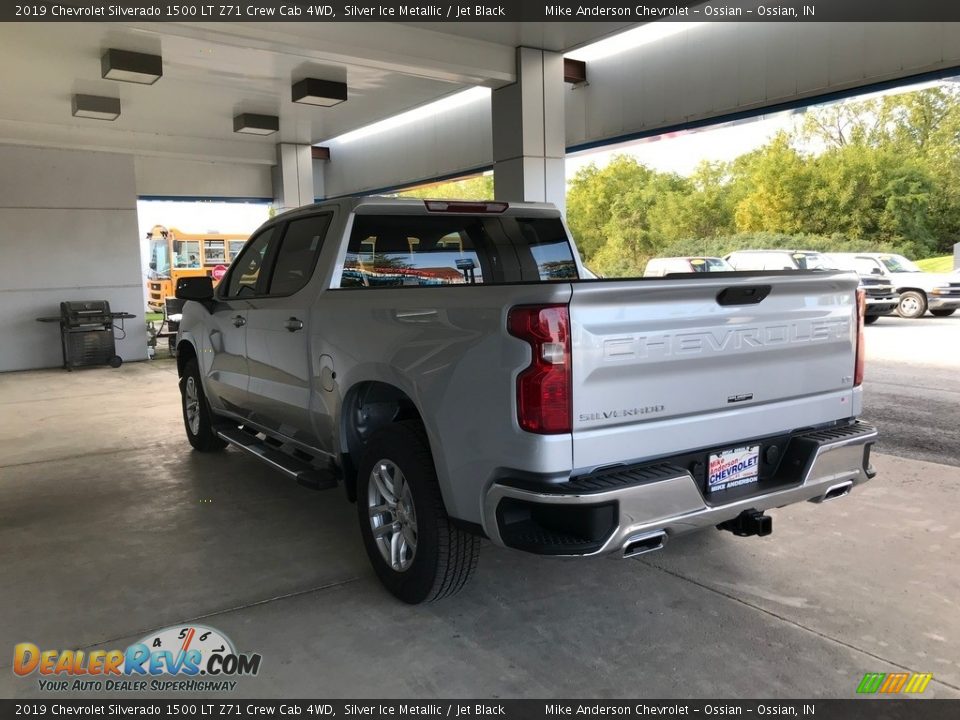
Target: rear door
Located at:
point(664, 366)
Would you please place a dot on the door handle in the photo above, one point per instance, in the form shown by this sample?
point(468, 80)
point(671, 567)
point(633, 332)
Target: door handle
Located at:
point(293, 324)
point(239, 321)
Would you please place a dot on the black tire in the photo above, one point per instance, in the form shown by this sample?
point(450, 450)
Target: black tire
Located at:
point(202, 437)
point(115, 361)
point(913, 304)
point(870, 319)
point(445, 556)
point(943, 313)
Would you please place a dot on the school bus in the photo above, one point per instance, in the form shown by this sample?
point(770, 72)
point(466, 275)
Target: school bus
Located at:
point(175, 254)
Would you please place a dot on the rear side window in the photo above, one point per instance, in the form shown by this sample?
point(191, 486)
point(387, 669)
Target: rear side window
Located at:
point(425, 250)
point(298, 254)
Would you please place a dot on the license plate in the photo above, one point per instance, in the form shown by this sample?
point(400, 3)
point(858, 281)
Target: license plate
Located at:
point(733, 468)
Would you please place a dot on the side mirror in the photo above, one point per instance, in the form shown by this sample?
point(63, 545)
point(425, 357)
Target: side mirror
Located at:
point(876, 271)
point(153, 266)
point(195, 288)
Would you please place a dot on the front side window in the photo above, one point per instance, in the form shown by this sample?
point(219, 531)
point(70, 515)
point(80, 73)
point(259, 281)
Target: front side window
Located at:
point(245, 271)
point(159, 258)
point(712, 264)
point(867, 266)
point(298, 254)
point(898, 263)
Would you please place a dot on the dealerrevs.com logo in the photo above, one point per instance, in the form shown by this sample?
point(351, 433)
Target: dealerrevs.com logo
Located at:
point(186, 658)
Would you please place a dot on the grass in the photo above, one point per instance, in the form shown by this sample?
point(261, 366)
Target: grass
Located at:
point(936, 264)
point(154, 317)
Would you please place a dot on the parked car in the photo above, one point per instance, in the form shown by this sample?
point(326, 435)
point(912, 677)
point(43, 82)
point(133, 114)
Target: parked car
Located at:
point(881, 298)
point(444, 362)
point(658, 267)
point(919, 291)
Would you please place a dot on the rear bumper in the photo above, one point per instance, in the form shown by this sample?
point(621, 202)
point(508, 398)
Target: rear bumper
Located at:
point(603, 513)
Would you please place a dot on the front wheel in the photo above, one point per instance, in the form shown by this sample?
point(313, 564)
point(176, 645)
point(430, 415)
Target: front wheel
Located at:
point(913, 304)
point(197, 418)
point(943, 313)
point(870, 319)
point(417, 552)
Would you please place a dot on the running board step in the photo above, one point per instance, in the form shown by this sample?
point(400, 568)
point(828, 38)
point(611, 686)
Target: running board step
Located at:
point(303, 472)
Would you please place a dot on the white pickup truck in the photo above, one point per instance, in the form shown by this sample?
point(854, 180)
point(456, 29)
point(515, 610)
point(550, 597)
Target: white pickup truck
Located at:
point(455, 369)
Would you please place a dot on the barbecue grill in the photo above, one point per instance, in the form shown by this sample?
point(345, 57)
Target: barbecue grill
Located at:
point(87, 333)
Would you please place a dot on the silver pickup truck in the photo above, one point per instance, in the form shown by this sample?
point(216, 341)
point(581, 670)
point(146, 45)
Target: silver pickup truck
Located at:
point(455, 369)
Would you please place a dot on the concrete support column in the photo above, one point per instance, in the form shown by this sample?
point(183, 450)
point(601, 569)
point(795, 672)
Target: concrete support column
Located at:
point(529, 140)
point(319, 179)
point(293, 176)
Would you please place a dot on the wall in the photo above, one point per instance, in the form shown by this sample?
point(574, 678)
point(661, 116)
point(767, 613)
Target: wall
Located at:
point(68, 231)
point(174, 177)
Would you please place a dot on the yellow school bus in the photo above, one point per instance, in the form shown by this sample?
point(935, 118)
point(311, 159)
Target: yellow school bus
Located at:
point(175, 254)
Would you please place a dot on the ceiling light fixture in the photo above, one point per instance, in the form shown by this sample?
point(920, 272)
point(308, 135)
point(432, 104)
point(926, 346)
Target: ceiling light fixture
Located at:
point(134, 67)
point(313, 91)
point(253, 124)
point(96, 107)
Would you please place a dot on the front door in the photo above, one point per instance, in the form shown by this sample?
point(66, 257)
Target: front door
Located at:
point(228, 375)
point(280, 367)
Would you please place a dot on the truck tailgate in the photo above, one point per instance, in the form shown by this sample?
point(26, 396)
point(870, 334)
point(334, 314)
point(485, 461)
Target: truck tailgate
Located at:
point(668, 365)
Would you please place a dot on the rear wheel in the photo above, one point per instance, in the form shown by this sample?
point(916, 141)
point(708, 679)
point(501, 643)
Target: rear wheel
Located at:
point(197, 418)
point(913, 304)
point(417, 553)
point(870, 319)
point(943, 313)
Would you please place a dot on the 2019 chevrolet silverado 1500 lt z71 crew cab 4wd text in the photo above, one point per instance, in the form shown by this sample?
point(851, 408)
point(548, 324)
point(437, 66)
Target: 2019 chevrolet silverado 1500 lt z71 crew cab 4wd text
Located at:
point(449, 365)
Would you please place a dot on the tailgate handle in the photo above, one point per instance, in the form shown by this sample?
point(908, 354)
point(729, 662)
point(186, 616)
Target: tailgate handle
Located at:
point(746, 295)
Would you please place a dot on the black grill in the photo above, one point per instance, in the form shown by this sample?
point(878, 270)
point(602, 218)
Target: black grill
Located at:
point(86, 333)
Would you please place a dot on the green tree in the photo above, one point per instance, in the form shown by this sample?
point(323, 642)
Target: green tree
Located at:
point(592, 195)
point(479, 187)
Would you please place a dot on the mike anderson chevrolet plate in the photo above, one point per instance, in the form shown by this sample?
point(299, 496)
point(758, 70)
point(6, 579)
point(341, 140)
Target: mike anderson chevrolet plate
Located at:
point(732, 468)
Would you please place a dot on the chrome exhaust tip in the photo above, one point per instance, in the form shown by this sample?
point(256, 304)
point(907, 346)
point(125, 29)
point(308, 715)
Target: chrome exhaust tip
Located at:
point(836, 491)
point(640, 544)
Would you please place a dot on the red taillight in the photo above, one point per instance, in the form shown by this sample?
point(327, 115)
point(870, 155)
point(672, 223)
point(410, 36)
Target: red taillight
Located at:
point(861, 354)
point(543, 389)
point(458, 206)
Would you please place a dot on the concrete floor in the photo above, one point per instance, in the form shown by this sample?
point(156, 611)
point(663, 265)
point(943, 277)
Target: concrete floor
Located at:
point(110, 527)
point(912, 388)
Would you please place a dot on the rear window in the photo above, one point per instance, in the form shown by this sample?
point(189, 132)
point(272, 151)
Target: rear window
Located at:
point(425, 250)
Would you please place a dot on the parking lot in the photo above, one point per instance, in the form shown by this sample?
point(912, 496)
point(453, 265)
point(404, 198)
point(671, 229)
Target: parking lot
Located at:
point(112, 528)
